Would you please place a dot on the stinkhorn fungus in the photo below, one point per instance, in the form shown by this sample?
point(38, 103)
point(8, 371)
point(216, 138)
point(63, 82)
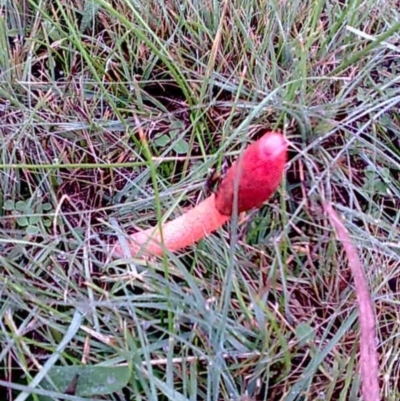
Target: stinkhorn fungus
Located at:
point(254, 177)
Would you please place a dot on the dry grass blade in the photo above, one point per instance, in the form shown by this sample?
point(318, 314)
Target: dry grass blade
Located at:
point(369, 356)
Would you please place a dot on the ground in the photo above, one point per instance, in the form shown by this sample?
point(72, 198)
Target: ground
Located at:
point(113, 113)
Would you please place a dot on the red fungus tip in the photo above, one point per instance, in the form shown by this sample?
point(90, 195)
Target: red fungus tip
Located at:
point(272, 145)
point(255, 176)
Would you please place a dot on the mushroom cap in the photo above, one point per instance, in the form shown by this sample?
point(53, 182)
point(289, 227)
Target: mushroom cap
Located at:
point(255, 176)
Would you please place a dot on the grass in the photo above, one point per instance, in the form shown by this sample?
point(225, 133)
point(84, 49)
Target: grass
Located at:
point(263, 309)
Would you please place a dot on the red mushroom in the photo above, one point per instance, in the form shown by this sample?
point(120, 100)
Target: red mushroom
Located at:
point(255, 176)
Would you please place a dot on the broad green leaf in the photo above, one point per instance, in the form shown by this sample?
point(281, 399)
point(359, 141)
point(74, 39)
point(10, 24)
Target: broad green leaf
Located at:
point(32, 230)
point(162, 141)
point(304, 333)
point(90, 380)
point(380, 187)
point(175, 128)
point(21, 206)
point(35, 219)
point(181, 147)
point(9, 205)
point(47, 222)
point(22, 221)
point(47, 207)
